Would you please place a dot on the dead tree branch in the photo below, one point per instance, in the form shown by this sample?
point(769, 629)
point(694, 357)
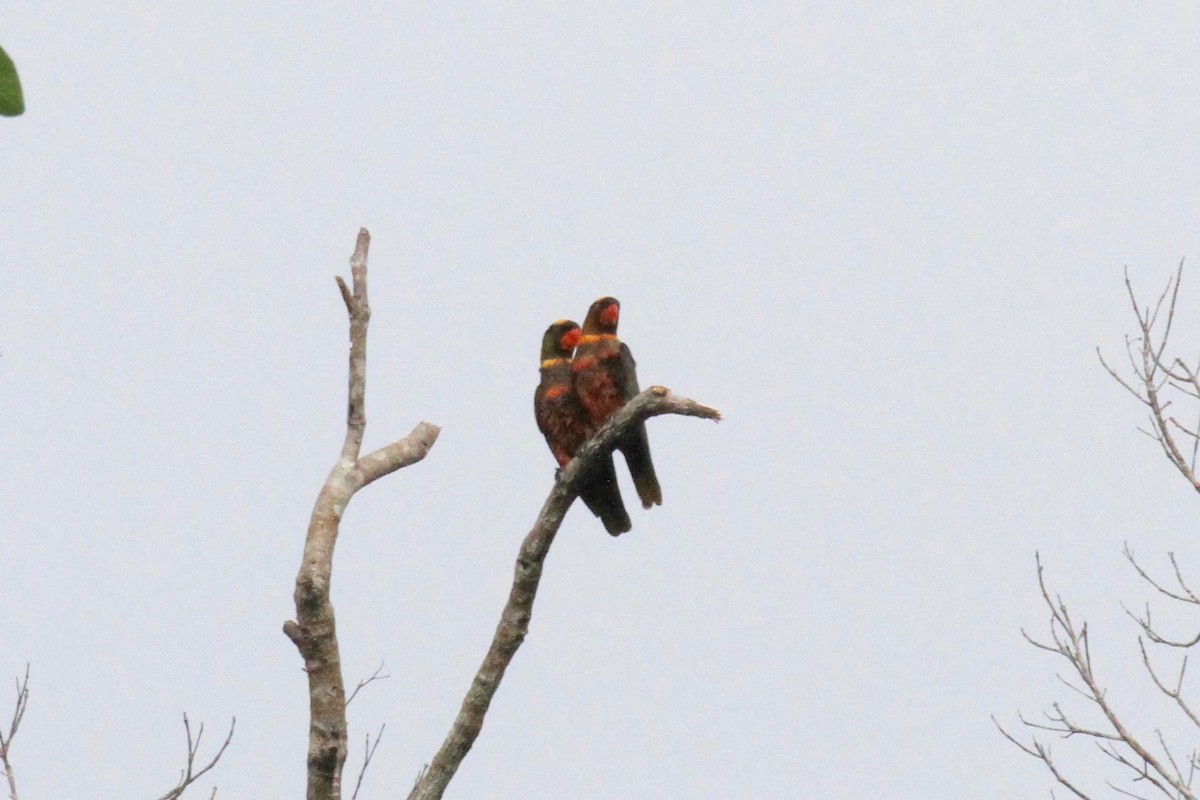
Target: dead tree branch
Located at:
point(7, 738)
point(1151, 375)
point(314, 630)
point(1069, 640)
point(190, 774)
point(514, 619)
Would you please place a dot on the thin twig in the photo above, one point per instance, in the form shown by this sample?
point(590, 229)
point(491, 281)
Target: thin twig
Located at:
point(1153, 635)
point(7, 739)
point(375, 676)
point(190, 774)
point(1187, 597)
point(1041, 751)
point(369, 752)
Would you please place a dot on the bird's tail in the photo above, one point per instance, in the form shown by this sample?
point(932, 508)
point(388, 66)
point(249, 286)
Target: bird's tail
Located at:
point(600, 493)
point(636, 448)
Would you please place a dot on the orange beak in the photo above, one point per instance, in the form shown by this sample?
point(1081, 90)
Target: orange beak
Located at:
point(609, 315)
point(571, 338)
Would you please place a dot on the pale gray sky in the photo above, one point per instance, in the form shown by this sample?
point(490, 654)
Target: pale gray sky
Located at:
point(884, 243)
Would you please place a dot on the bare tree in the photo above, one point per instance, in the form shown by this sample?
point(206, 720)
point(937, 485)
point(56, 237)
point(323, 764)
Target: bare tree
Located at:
point(1149, 763)
point(314, 631)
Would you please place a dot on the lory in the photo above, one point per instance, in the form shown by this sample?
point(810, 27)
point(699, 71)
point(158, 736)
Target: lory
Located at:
point(605, 378)
point(565, 424)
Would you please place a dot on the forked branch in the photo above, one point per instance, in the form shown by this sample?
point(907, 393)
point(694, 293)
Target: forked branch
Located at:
point(314, 629)
point(369, 749)
point(514, 619)
point(190, 774)
point(377, 675)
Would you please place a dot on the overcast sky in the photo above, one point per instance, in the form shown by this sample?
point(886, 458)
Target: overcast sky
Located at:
point(884, 243)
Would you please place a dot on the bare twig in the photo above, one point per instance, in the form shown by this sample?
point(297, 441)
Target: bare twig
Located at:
point(1183, 594)
point(375, 676)
point(1153, 635)
point(514, 619)
point(190, 774)
point(1187, 596)
point(368, 753)
point(314, 630)
point(7, 738)
point(1041, 751)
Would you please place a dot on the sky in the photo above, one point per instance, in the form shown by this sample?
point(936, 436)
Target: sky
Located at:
point(885, 243)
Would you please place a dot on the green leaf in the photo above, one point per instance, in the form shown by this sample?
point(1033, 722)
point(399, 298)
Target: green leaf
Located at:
point(12, 102)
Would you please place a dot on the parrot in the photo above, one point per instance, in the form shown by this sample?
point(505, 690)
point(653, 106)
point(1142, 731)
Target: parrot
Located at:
point(563, 421)
point(604, 375)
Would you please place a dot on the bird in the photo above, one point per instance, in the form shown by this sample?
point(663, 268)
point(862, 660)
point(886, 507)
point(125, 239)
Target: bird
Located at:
point(562, 420)
point(604, 375)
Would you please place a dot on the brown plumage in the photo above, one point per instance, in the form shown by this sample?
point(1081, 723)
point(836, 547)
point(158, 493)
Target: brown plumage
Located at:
point(565, 424)
point(605, 378)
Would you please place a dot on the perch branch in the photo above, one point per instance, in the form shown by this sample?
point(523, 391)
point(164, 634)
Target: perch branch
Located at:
point(314, 630)
point(514, 619)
